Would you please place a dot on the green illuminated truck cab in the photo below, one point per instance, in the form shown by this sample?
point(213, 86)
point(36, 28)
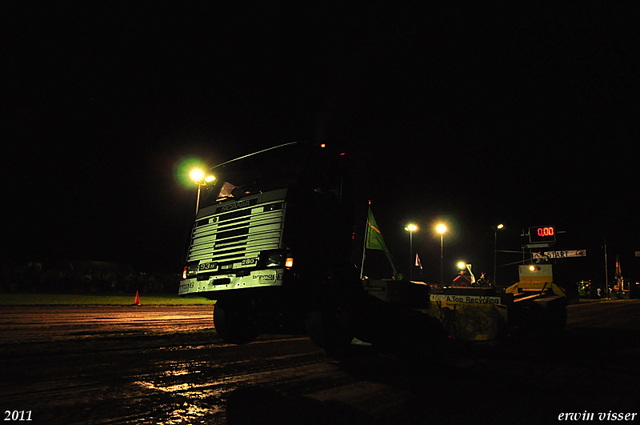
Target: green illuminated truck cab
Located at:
point(237, 244)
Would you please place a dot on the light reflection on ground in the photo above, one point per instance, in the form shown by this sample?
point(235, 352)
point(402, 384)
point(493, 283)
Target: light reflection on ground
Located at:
point(202, 404)
point(179, 372)
point(204, 396)
point(188, 414)
point(201, 398)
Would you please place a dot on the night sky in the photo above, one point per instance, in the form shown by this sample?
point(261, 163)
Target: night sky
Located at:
point(468, 113)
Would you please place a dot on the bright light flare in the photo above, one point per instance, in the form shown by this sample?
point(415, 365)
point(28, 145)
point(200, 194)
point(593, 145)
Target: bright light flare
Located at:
point(411, 228)
point(196, 175)
point(441, 228)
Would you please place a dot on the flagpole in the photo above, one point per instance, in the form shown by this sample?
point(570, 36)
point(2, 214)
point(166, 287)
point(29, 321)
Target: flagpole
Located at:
point(364, 245)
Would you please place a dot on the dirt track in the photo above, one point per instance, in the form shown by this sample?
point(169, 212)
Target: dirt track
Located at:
point(140, 370)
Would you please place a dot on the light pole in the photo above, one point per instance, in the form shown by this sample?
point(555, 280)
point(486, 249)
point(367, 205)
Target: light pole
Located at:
point(495, 252)
point(411, 228)
point(197, 175)
point(441, 228)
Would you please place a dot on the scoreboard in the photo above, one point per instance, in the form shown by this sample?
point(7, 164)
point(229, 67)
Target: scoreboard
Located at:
point(542, 234)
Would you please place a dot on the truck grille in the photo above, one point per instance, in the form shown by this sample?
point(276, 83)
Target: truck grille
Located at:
point(230, 237)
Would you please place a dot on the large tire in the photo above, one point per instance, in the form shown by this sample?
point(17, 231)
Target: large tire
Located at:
point(235, 323)
point(329, 329)
point(398, 330)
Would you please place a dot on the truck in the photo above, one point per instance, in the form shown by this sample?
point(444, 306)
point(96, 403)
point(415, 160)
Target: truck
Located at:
point(272, 243)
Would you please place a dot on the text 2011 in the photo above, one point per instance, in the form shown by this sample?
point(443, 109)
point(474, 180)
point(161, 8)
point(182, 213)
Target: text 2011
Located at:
point(17, 415)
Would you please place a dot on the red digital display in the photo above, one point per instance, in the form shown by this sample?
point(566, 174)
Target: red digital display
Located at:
point(542, 234)
point(545, 231)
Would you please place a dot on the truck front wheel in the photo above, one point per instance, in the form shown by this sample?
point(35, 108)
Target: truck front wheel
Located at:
point(235, 323)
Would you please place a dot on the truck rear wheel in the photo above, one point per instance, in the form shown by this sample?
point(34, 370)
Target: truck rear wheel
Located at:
point(235, 323)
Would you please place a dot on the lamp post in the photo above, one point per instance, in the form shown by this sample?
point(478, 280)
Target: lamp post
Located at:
point(495, 252)
point(411, 228)
point(197, 175)
point(441, 228)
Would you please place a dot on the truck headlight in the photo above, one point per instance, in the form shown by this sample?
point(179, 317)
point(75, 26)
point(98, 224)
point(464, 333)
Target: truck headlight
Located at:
point(189, 271)
point(274, 260)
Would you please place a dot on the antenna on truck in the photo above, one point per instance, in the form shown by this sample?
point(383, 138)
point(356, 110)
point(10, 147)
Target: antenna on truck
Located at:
point(252, 154)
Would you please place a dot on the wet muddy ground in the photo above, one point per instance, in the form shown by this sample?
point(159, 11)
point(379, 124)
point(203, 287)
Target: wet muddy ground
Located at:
point(163, 365)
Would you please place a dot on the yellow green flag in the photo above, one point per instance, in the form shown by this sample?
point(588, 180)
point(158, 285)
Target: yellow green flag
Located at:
point(375, 241)
point(374, 237)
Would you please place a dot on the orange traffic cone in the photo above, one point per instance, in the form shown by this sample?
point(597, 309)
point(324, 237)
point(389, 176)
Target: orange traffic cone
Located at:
point(137, 300)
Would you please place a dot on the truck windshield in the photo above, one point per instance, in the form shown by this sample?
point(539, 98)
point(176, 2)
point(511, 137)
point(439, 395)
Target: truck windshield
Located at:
point(274, 169)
